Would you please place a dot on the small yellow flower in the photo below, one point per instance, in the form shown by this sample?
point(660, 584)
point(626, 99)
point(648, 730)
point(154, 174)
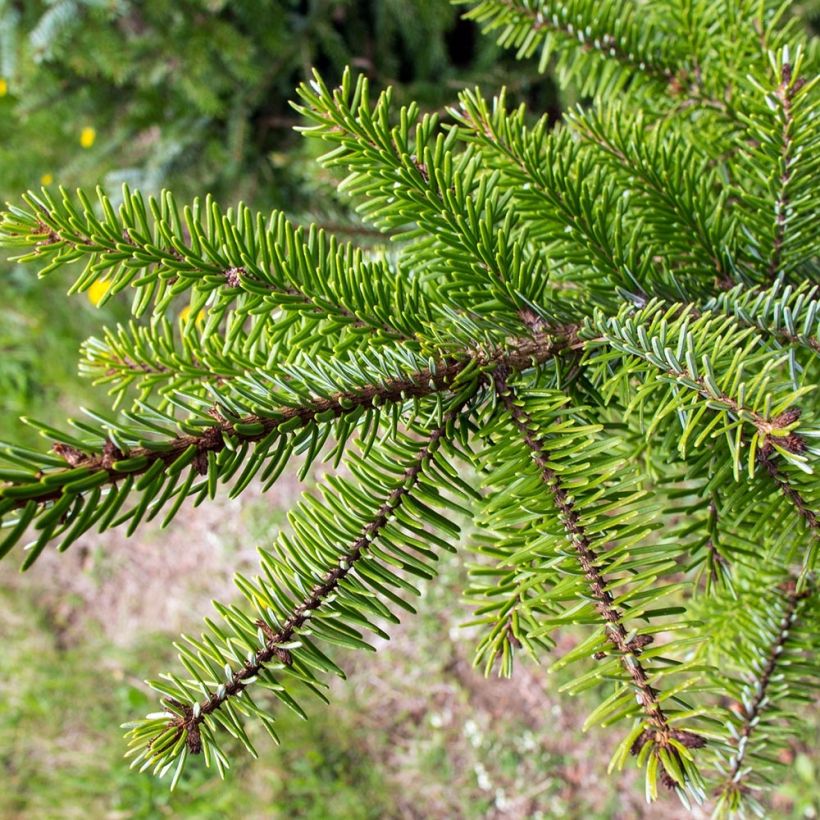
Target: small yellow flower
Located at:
point(4, 87)
point(46, 179)
point(87, 137)
point(97, 291)
point(185, 313)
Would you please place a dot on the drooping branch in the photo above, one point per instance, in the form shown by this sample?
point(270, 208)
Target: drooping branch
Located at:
point(273, 649)
point(629, 649)
point(753, 710)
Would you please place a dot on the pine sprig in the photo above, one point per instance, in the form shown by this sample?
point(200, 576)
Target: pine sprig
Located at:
point(619, 310)
point(277, 636)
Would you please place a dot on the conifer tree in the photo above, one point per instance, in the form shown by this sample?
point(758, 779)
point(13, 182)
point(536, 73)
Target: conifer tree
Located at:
point(596, 341)
point(193, 95)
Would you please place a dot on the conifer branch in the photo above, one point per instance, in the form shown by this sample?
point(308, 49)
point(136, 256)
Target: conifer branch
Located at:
point(272, 650)
point(776, 166)
point(792, 494)
point(89, 471)
point(642, 422)
point(758, 702)
point(772, 432)
point(791, 316)
point(784, 95)
point(613, 33)
point(485, 256)
point(237, 256)
point(540, 19)
point(555, 182)
point(629, 649)
point(677, 186)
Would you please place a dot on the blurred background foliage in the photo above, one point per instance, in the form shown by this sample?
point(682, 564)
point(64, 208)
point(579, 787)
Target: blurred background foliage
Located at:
point(193, 95)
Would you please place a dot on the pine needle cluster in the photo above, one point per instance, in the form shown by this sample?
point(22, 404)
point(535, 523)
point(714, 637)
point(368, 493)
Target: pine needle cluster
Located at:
point(596, 341)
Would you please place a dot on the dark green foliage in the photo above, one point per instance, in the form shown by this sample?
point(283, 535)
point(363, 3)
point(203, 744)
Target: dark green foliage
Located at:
point(194, 94)
point(598, 319)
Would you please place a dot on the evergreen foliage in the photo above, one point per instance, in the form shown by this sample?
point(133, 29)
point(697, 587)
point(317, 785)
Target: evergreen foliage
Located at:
point(194, 95)
point(614, 322)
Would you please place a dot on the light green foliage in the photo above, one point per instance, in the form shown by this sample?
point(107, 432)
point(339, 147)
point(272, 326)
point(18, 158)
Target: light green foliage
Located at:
point(587, 316)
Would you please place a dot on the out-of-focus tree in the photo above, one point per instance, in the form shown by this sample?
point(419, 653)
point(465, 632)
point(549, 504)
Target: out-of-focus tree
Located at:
point(194, 95)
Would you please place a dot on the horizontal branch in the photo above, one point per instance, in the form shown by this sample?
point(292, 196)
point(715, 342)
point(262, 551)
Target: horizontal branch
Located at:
point(519, 355)
point(235, 253)
point(606, 46)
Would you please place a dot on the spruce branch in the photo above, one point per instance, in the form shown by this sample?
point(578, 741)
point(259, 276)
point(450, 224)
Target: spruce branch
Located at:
point(674, 346)
point(658, 731)
point(773, 647)
point(90, 470)
point(559, 186)
point(775, 167)
point(616, 33)
point(231, 260)
point(793, 494)
point(791, 315)
point(587, 558)
point(785, 97)
point(320, 586)
point(409, 179)
point(193, 716)
point(561, 295)
point(681, 198)
point(606, 46)
point(757, 703)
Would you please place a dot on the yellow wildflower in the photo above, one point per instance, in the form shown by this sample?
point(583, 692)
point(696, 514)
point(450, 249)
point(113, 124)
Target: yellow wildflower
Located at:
point(46, 179)
point(4, 87)
point(87, 136)
point(97, 291)
point(185, 313)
